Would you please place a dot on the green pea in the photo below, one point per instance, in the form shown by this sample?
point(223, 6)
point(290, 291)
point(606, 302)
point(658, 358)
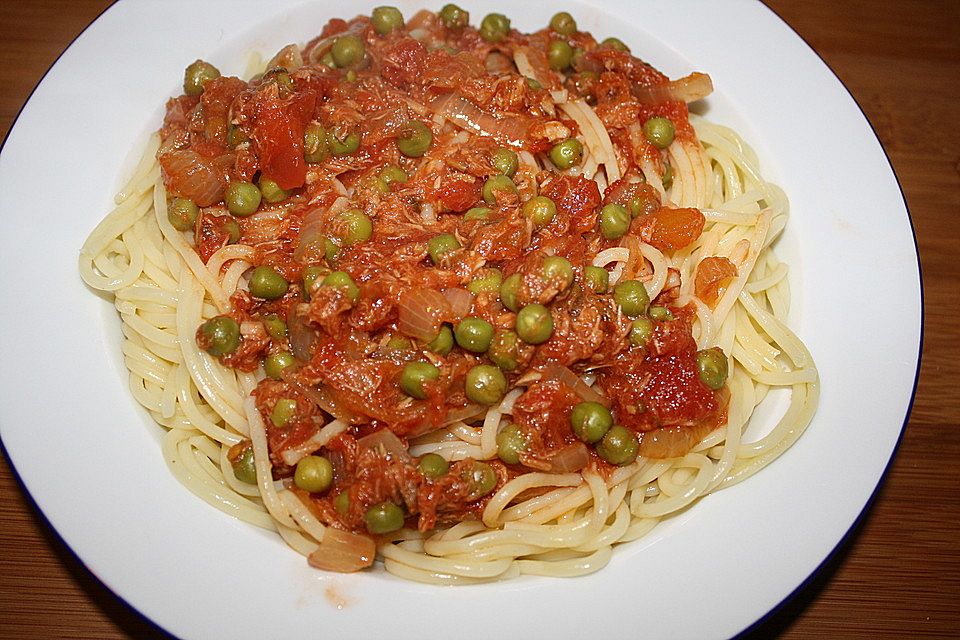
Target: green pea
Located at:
point(242, 198)
point(398, 345)
point(557, 269)
point(182, 213)
point(383, 518)
point(236, 136)
point(667, 177)
point(313, 474)
point(504, 350)
point(619, 446)
point(284, 81)
point(659, 131)
point(511, 442)
point(642, 205)
point(341, 502)
point(222, 335)
point(614, 221)
point(275, 326)
point(312, 275)
point(616, 44)
point(342, 280)
point(327, 60)
point(474, 334)
point(414, 138)
point(534, 324)
point(271, 191)
point(443, 343)
point(433, 465)
point(415, 376)
point(392, 174)
point(497, 184)
point(505, 161)
point(481, 480)
point(351, 76)
point(540, 209)
point(632, 297)
point(342, 142)
point(533, 83)
point(283, 411)
point(494, 27)
point(485, 384)
point(354, 226)
point(598, 279)
point(266, 283)
point(566, 154)
point(660, 314)
point(232, 229)
point(563, 23)
point(640, 331)
point(453, 17)
point(712, 367)
point(509, 291)
point(559, 55)
point(347, 51)
point(244, 468)
point(275, 363)
point(315, 143)
point(487, 281)
point(196, 75)
point(330, 250)
point(440, 245)
point(590, 421)
point(477, 213)
point(386, 19)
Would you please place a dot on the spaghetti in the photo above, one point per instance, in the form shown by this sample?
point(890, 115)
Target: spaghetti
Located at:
point(467, 254)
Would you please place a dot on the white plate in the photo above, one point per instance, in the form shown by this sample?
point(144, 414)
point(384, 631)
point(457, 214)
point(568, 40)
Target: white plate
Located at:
point(91, 460)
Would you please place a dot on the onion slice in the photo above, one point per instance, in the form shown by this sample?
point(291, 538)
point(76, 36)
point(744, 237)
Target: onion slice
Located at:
point(343, 552)
point(468, 116)
point(460, 301)
point(691, 88)
point(302, 337)
point(386, 442)
point(420, 313)
point(572, 457)
point(554, 371)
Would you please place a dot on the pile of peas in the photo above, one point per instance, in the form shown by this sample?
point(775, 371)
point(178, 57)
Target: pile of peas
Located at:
point(485, 384)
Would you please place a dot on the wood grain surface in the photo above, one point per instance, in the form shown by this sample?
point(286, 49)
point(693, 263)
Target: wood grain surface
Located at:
point(898, 574)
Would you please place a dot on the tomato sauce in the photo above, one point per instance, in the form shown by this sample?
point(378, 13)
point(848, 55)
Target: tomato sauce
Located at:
point(353, 343)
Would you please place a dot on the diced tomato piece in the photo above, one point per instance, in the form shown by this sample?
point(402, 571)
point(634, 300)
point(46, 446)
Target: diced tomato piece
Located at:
point(576, 197)
point(714, 273)
point(278, 131)
point(672, 229)
point(458, 192)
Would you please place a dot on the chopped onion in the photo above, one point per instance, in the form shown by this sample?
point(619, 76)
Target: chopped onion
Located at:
point(554, 371)
point(387, 442)
point(321, 395)
point(343, 552)
point(289, 58)
point(691, 88)
point(302, 337)
point(570, 458)
point(460, 301)
point(466, 115)
point(193, 176)
point(310, 245)
point(421, 311)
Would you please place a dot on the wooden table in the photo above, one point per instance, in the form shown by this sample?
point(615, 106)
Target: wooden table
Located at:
point(898, 574)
